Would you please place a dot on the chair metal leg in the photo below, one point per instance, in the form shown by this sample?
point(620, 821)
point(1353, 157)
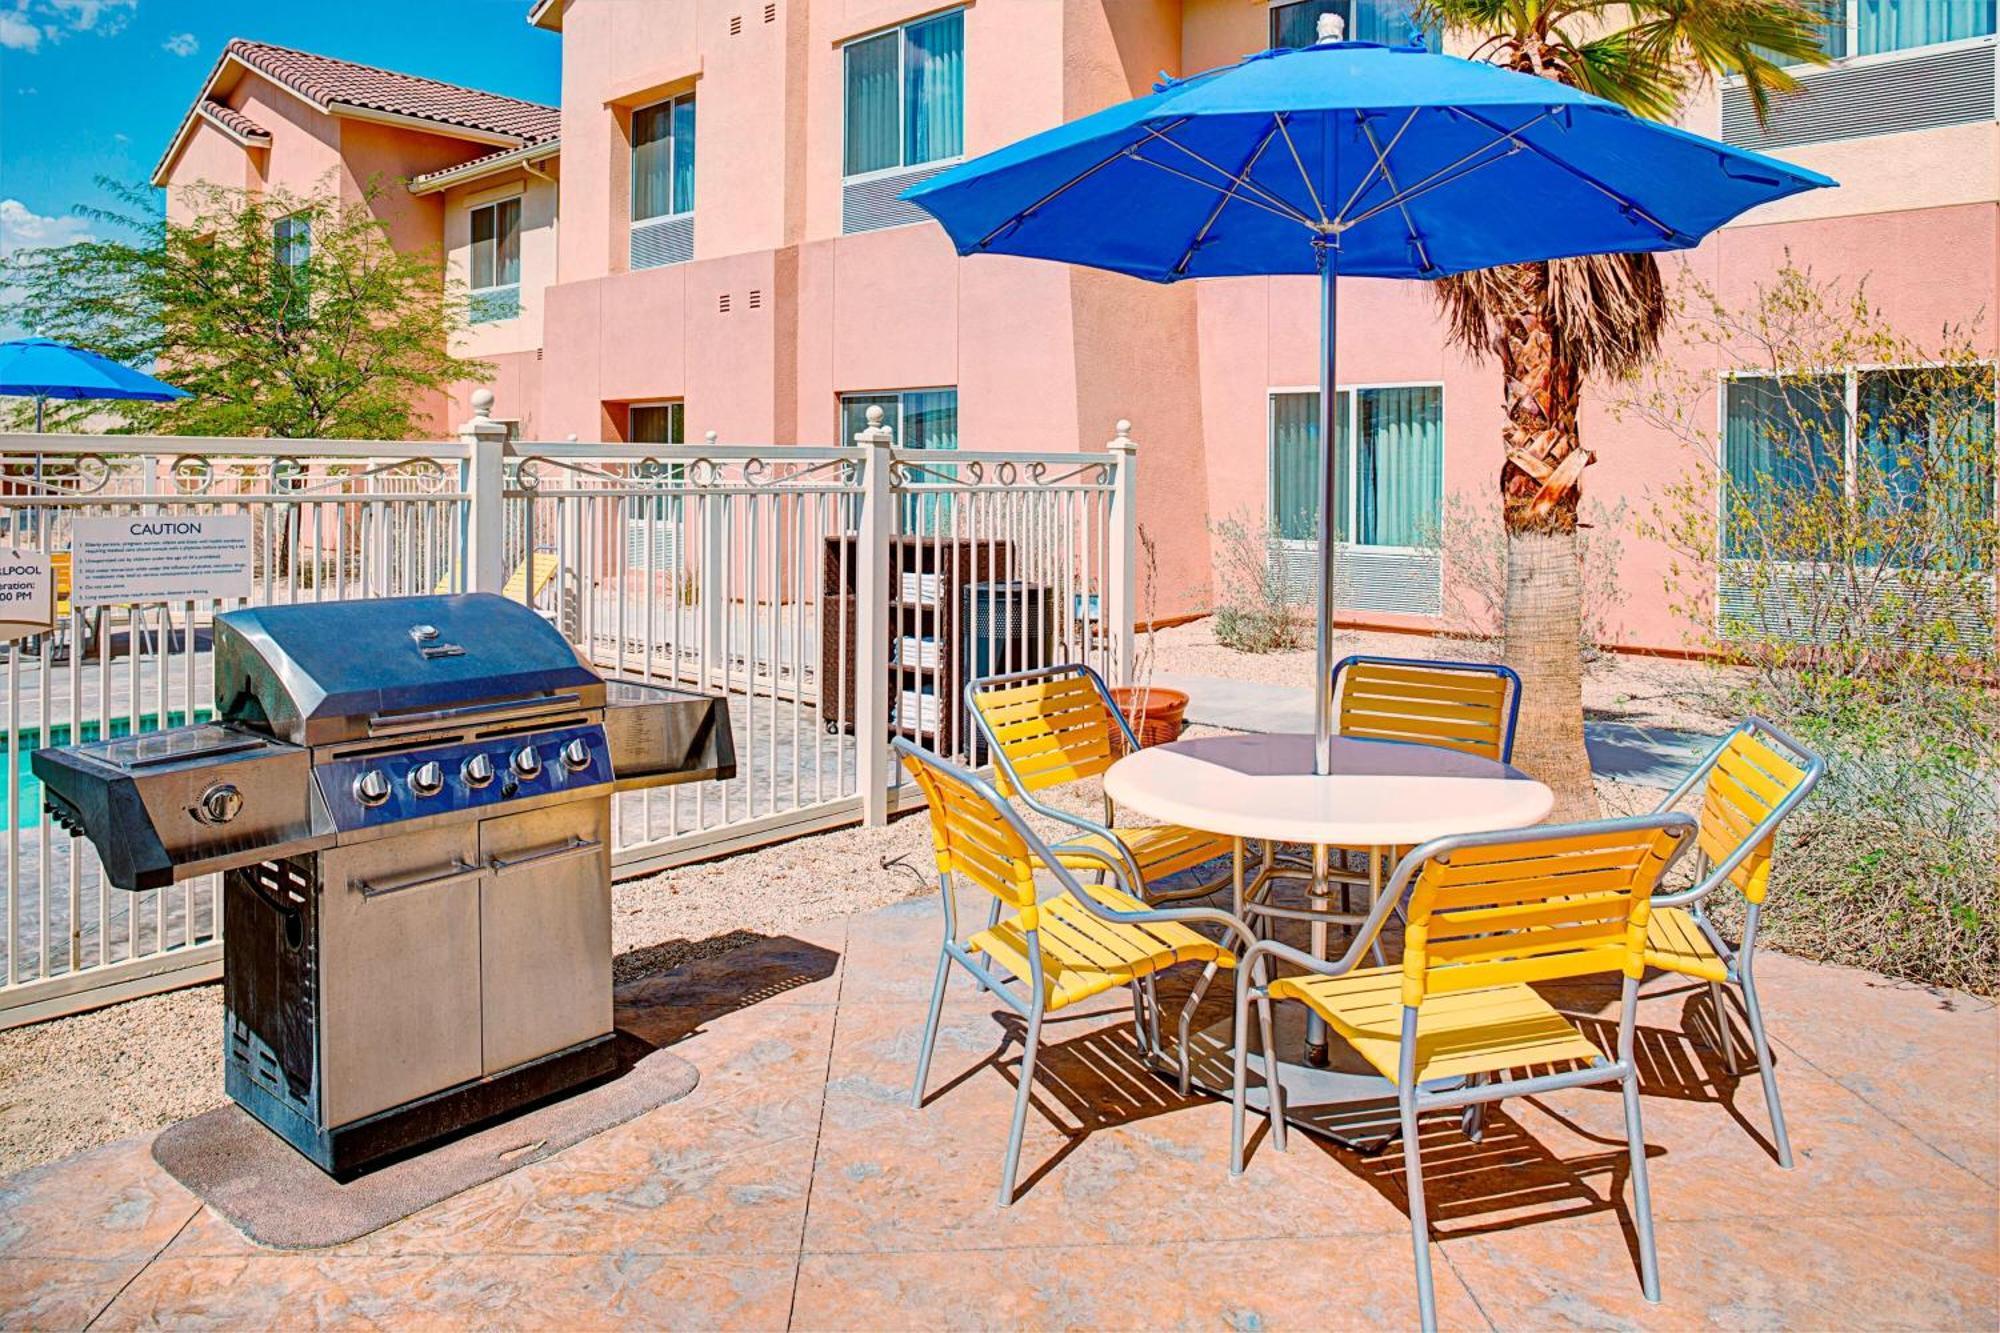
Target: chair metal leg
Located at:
point(1034, 1039)
point(992, 920)
point(1274, 1088)
point(1473, 1119)
point(1237, 1090)
point(1420, 1231)
point(1187, 1020)
point(1153, 1014)
point(1718, 1010)
point(1642, 1196)
point(929, 1041)
point(1765, 1070)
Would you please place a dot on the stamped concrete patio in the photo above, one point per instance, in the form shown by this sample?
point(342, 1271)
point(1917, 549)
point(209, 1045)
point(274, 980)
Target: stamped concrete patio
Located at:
point(795, 1186)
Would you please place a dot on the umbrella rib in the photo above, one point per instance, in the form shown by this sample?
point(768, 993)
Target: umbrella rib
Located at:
point(1623, 201)
point(1304, 175)
point(1251, 165)
point(1017, 219)
point(1277, 202)
point(1446, 174)
point(1287, 213)
point(1381, 158)
point(1382, 161)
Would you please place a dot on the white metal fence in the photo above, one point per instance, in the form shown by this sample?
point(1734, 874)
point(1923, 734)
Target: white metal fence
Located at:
point(835, 596)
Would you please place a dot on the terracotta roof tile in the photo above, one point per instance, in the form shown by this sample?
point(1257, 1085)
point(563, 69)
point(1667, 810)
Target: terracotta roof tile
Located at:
point(473, 166)
point(325, 80)
point(233, 120)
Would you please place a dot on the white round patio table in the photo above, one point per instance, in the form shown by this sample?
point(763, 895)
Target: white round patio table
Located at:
point(1380, 795)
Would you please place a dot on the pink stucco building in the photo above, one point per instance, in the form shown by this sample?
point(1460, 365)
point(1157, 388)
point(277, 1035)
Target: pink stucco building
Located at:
point(709, 241)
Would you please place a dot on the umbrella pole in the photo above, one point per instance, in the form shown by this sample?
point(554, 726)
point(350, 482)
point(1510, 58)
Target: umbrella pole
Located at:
point(1329, 492)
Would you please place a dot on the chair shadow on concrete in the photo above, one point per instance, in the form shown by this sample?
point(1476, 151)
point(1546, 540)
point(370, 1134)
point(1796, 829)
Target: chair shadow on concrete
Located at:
point(668, 992)
point(1093, 1081)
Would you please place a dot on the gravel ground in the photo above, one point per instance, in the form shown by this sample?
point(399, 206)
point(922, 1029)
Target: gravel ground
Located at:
point(1648, 691)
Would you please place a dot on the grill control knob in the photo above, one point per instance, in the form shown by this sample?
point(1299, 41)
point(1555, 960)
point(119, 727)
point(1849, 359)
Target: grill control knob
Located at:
point(527, 761)
point(372, 787)
point(427, 779)
point(219, 804)
point(476, 771)
point(576, 754)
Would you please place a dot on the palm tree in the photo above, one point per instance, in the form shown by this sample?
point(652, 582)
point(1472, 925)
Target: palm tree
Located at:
point(1550, 325)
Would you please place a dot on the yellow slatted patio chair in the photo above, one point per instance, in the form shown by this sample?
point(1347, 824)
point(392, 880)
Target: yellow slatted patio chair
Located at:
point(1457, 1025)
point(1750, 781)
point(1057, 725)
point(1051, 952)
point(516, 588)
point(1469, 706)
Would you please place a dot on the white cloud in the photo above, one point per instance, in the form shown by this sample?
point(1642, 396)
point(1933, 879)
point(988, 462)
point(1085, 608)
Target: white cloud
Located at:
point(17, 34)
point(24, 24)
point(21, 228)
point(181, 44)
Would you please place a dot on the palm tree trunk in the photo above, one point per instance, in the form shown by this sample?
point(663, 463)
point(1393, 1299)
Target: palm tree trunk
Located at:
point(1539, 486)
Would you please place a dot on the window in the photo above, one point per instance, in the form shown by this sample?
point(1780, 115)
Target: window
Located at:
point(1897, 440)
point(1295, 23)
point(905, 96)
point(496, 262)
point(1877, 27)
point(920, 419)
point(656, 423)
point(1389, 491)
point(663, 160)
point(291, 241)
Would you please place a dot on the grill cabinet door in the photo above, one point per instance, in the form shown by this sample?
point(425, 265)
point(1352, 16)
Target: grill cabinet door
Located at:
point(399, 959)
point(545, 930)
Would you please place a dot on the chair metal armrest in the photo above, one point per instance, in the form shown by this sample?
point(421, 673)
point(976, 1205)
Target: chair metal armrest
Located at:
point(1214, 916)
point(1128, 864)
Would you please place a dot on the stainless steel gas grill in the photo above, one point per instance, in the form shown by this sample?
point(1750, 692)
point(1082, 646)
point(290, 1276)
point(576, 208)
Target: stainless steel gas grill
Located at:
point(411, 799)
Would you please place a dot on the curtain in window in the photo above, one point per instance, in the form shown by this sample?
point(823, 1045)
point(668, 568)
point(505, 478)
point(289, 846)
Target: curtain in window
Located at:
point(1399, 470)
point(1297, 24)
point(854, 414)
point(1779, 440)
point(655, 423)
point(1390, 22)
point(874, 130)
point(934, 89)
point(496, 245)
point(683, 136)
point(1295, 466)
point(1925, 438)
point(1895, 25)
point(652, 161)
point(483, 248)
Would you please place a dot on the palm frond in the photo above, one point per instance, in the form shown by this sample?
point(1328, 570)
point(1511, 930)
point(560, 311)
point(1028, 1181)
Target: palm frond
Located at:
point(1605, 313)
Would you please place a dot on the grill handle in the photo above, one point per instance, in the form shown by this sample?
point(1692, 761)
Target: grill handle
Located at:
point(458, 873)
point(563, 851)
point(387, 724)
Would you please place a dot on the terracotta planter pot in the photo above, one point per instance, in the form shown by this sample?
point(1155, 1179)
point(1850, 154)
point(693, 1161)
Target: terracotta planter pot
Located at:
point(1154, 712)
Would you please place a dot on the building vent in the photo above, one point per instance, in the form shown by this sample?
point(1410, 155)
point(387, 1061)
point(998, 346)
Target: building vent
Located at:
point(735, 25)
point(660, 241)
point(722, 303)
point(870, 204)
point(1403, 582)
point(770, 13)
point(756, 298)
point(1780, 611)
point(1918, 91)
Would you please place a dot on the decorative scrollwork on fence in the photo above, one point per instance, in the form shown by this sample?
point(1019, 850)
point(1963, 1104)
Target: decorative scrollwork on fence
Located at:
point(56, 475)
point(672, 475)
point(971, 473)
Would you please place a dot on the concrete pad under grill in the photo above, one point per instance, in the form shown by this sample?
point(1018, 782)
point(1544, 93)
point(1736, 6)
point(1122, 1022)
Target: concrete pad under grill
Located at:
point(278, 1198)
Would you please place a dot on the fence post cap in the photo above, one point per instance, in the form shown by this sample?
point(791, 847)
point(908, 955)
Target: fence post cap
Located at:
point(712, 436)
point(1124, 442)
point(482, 425)
point(875, 432)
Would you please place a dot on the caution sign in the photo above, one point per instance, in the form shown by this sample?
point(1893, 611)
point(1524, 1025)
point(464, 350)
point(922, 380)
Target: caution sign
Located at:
point(160, 558)
point(27, 594)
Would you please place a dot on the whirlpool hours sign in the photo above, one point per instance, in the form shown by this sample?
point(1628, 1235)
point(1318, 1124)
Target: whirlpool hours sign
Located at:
point(160, 558)
point(27, 605)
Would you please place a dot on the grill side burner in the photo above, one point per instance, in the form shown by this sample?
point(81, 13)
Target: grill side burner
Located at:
point(411, 799)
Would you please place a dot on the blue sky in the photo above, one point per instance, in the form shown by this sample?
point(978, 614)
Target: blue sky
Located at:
point(95, 87)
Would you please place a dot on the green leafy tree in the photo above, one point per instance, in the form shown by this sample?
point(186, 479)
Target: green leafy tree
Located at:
point(281, 315)
point(1548, 326)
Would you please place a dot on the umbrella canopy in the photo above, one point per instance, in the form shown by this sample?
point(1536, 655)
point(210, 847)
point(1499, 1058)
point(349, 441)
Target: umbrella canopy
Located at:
point(44, 368)
point(1391, 162)
point(1349, 158)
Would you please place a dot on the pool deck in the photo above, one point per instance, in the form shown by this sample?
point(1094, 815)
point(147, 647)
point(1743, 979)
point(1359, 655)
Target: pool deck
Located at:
point(796, 1187)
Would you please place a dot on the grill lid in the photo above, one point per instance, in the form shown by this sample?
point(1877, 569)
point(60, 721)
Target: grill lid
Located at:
point(312, 673)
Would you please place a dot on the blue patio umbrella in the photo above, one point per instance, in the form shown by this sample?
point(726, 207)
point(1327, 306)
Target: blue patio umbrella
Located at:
point(1349, 158)
point(42, 368)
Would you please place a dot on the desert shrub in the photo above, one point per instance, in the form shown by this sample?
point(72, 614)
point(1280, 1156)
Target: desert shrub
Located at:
point(1857, 539)
point(1258, 608)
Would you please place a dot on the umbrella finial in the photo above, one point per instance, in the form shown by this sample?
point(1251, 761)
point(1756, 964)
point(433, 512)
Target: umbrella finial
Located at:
point(1332, 28)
